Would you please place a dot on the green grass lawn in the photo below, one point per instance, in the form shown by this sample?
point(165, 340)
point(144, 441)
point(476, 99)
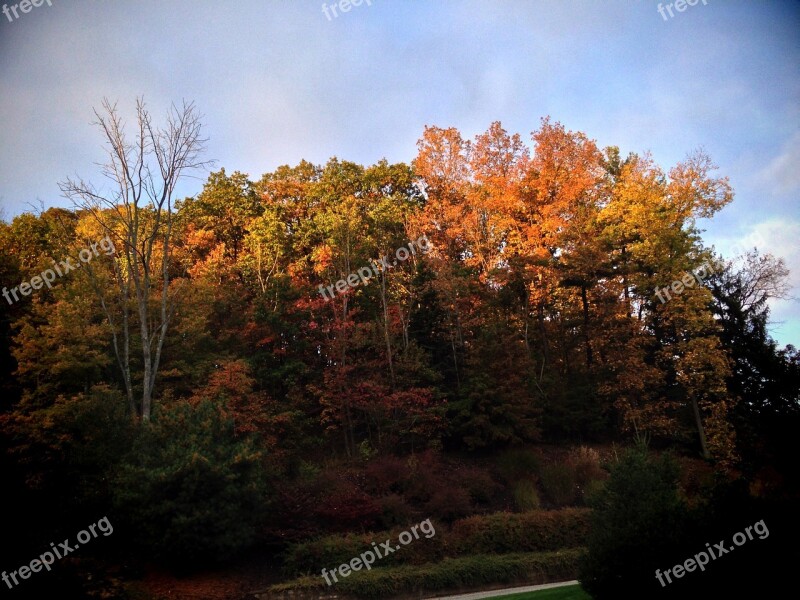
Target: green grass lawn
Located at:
point(568, 592)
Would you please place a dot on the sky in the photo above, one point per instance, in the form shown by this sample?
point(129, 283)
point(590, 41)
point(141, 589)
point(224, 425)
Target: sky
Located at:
point(282, 81)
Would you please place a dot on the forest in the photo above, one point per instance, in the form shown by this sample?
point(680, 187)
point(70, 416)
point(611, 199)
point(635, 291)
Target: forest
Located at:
point(543, 336)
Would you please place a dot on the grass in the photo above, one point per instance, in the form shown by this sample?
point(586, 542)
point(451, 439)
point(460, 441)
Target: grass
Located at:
point(568, 592)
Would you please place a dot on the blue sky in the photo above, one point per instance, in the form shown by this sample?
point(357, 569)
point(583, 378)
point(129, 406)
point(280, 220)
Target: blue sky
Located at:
point(279, 82)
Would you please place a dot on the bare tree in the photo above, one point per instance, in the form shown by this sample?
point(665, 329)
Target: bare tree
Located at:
point(137, 215)
point(760, 277)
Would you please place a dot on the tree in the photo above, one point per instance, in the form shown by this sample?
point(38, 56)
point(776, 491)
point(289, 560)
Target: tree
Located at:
point(637, 526)
point(765, 377)
point(191, 489)
point(649, 224)
point(138, 216)
point(224, 206)
point(742, 290)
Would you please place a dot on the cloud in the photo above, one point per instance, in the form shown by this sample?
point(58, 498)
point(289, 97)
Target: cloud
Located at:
point(782, 174)
point(779, 238)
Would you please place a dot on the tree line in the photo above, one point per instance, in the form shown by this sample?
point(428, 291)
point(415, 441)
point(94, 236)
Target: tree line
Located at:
point(533, 316)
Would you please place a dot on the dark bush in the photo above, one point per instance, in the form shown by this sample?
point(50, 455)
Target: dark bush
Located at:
point(345, 507)
point(589, 474)
point(592, 490)
point(471, 572)
point(325, 502)
point(68, 451)
point(524, 532)
point(525, 495)
point(190, 490)
point(773, 553)
point(478, 483)
point(637, 528)
point(387, 474)
point(329, 551)
point(426, 474)
point(585, 463)
point(448, 504)
point(697, 477)
point(558, 482)
point(333, 550)
point(394, 511)
point(517, 463)
point(498, 533)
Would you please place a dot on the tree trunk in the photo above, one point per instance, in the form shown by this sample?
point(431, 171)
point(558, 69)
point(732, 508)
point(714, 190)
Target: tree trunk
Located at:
point(700, 430)
point(386, 329)
point(585, 301)
point(138, 214)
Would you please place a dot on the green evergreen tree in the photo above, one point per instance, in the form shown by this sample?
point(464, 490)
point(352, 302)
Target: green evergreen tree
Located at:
point(637, 527)
point(190, 489)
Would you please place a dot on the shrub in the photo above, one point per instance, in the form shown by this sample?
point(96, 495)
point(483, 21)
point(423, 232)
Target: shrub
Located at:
point(471, 572)
point(516, 463)
point(585, 464)
point(636, 528)
point(478, 483)
point(293, 511)
point(189, 488)
point(326, 502)
point(425, 475)
point(387, 474)
point(525, 495)
point(729, 507)
point(449, 504)
point(307, 471)
point(394, 511)
point(311, 556)
point(524, 532)
point(558, 482)
point(592, 490)
point(498, 533)
point(333, 550)
point(58, 464)
point(366, 451)
point(697, 477)
point(345, 507)
point(458, 573)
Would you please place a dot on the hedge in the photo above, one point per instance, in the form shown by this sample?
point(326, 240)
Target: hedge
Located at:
point(309, 557)
point(537, 531)
point(500, 533)
point(451, 574)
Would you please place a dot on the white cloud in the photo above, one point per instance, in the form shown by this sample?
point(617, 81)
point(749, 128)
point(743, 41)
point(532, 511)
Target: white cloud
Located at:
point(779, 238)
point(782, 174)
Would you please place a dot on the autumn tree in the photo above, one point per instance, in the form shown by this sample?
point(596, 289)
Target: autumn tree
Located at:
point(224, 208)
point(650, 225)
